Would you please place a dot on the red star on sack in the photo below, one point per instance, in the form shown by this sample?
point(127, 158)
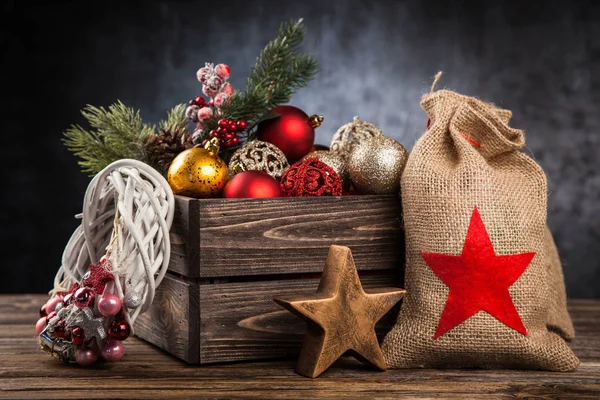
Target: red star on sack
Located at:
point(99, 276)
point(478, 280)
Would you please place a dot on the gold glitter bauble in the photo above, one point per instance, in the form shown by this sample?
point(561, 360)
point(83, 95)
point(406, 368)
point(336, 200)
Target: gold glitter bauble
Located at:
point(198, 172)
point(376, 165)
point(337, 161)
point(259, 156)
point(352, 134)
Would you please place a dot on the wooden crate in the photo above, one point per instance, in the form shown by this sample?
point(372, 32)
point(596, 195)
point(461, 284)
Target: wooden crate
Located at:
point(230, 256)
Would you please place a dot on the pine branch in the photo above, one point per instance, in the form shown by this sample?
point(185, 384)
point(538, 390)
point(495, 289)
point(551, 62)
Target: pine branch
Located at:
point(114, 134)
point(176, 118)
point(278, 73)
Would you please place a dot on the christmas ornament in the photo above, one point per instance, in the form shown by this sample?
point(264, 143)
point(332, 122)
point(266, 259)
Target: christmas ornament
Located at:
point(88, 307)
point(84, 297)
point(119, 330)
point(252, 184)
point(163, 147)
point(98, 276)
point(353, 133)
point(109, 305)
point(311, 177)
point(293, 131)
point(198, 172)
point(337, 161)
point(376, 165)
point(478, 280)
point(259, 156)
point(341, 316)
point(113, 350)
point(86, 357)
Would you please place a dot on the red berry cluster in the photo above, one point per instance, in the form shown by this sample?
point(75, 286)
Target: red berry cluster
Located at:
point(227, 132)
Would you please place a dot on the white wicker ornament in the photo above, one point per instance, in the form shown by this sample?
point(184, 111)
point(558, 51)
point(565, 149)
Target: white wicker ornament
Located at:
point(127, 214)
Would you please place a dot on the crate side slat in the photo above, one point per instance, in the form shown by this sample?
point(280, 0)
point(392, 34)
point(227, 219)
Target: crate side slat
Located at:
point(173, 320)
point(244, 237)
point(240, 321)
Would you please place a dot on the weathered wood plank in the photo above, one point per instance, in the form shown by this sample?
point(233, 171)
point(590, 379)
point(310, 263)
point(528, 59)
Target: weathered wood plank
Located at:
point(240, 321)
point(147, 372)
point(173, 321)
point(241, 237)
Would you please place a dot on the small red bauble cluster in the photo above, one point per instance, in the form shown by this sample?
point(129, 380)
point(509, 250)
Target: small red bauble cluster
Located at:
point(227, 132)
point(88, 297)
point(311, 177)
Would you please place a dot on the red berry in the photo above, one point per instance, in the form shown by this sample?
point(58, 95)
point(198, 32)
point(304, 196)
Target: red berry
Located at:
point(78, 336)
point(214, 133)
point(222, 131)
point(119, 330)
point(226, 143)
point(232, 126)
point(199, 101)
point(223, 123)
point(228, 136)
point(241, 125)
point(235, 141)
point(211, 102)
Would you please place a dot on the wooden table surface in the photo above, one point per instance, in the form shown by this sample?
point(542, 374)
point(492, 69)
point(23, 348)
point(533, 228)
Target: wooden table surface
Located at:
point(146, 372)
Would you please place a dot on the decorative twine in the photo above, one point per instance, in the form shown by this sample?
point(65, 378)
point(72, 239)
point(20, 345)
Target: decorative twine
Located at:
point(127, 214)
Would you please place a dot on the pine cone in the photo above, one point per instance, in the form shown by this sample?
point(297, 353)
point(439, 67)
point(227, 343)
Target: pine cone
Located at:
point(163, 147)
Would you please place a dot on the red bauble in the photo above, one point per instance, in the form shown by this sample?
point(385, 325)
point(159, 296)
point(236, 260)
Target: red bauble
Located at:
point(252, 184)
point(119, 330)
point(78, 336)
point(311, 177)
point(290, 131)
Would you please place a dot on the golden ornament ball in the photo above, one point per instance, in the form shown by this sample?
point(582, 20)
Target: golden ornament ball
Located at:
point(259, 156)
point(376, 165)
point(198, 172)
point(352, 134)
point(337, 161)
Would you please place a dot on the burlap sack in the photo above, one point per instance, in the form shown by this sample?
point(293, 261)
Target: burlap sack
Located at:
point(466, 174)
point(558, 316)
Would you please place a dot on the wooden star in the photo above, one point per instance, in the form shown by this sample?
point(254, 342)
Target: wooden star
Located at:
point(341, 316)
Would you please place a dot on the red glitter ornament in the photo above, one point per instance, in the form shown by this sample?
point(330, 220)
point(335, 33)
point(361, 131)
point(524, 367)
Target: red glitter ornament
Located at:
point(311, 177)
point(291, 132)
point(252, 184)
point(99, 276)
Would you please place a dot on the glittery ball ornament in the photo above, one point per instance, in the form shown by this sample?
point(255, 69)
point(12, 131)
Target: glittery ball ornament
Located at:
point(292, 131)
point(259, 156)
point(376, 165)
point(352, 134)
point(311, 177)
point(336, 160)
point(198, 172)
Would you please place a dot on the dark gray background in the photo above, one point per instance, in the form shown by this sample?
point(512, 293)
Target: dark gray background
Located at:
point(539, 59)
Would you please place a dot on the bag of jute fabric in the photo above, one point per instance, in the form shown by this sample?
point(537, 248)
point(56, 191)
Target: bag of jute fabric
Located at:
point(477, 250)
point(558, 316)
